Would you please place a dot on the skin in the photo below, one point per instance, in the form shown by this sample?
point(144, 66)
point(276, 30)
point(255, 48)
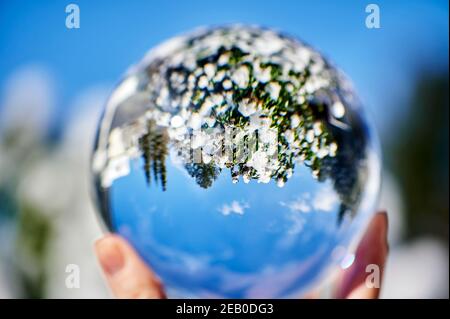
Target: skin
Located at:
point(130, 278)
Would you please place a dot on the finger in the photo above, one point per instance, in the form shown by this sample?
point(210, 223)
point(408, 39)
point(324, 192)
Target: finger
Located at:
point(363, 278)
point(127, 275)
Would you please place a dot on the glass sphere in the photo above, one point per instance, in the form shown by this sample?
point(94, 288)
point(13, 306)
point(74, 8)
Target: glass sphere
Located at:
point(237, 162)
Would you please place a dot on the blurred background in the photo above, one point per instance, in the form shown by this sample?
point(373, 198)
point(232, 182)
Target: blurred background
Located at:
point(54, 82)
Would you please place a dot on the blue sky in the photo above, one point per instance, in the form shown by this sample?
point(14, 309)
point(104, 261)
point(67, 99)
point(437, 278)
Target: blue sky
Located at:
point(381, 62)
point(267, 237)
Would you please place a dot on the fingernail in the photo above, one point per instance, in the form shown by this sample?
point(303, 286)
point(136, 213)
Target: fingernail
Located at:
point(110, 255)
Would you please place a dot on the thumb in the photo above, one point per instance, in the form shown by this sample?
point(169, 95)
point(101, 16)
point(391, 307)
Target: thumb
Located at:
point(370, 259)
point(127, 275)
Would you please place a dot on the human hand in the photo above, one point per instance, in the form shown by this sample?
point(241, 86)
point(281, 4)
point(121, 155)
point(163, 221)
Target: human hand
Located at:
point(129, 277)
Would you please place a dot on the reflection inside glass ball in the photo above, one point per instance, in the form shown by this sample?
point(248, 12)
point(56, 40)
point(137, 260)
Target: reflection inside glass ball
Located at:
point(238, 163)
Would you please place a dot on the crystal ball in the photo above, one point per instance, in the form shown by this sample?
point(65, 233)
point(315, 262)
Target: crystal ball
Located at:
point(238, 162)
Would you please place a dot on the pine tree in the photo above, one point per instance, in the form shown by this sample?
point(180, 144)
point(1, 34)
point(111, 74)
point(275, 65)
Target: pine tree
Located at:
point(153, 145)
point(160, 145)
point(204, 174)
point(144, 144)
